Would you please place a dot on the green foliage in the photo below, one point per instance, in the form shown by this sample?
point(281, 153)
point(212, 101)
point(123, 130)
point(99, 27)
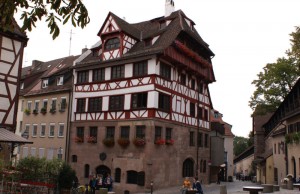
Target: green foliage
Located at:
point(54, 11)
point(292, 138)
point(240, 144)
point(66, 176)
point(273, 84)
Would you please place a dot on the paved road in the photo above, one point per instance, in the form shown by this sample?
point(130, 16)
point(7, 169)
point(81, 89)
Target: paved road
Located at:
point(235, 187)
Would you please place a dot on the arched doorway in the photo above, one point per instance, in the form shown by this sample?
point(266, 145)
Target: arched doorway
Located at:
point(103, 170)
point(188, 168)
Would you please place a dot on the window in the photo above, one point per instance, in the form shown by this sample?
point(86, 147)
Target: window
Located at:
point(205, 114)
point(82, 77)
point(36, 106)
point(158, 131)
point(164, 102)
point(25, 152)
point(125, 132)
point(200, 88)
point(43, 130)
point(192, 109)
point(61, 130)
point(200, 113)
point(131, 177)
point(168, 133)
point(183, 79)
point(29, 105)
point(192, 138)
point(140, 68)
point(278, 148)
point(193, 84)
point(63, 104)
point(45, 83)
point(93, 133)
point(60, 80)
point(274, 148)
point(86, 171)
point(74, 158)
point(51, 130)
point(45, 104)
point(41, 152)
point(206, 140)
point(188, 168)
point(165, 70)
point(139, 100)
point(140, 131)
point(113, 43)
point(98, 74)
point(116, 102)
point(22, 105)
point(50, 152)
point(34, 130)
point(204, 166)
point(60, 152)
point(200, 141)
point(95, 104)
point(33, 152)
point(110, 132)
point(117, 175)
point(53, 105)
point(117, 72)
point(80, 105)
point(22, 86)
point(80, 132)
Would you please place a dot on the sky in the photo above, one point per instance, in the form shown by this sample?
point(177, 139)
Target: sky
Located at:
point(244, 35)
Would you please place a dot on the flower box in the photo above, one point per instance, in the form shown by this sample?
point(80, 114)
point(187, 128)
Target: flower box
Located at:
point(43, 110)
point(27, 111)
point(91, 139)
point(109, 142)
point(124, 142)
point(52, 110)
point(139, 141)
point(169, 141)
point(78, 139)
point(160, 141)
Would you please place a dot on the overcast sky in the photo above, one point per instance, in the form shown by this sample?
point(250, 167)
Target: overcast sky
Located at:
point(245, 35)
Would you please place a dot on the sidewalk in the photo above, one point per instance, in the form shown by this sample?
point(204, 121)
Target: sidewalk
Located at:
point(235, 187)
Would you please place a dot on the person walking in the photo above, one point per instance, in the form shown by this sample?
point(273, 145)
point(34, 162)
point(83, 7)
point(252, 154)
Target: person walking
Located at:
point(109, 182)
point(197, 186)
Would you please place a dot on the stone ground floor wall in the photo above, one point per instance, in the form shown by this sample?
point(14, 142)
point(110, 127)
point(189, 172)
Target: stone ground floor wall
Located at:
point(161, 164)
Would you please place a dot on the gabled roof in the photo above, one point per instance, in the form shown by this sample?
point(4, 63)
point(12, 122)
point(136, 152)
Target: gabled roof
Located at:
point(149, 29)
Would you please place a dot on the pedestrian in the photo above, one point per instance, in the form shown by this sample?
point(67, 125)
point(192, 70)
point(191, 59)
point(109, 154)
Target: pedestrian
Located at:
point(100, 181)
point(186, 185)
point(93, 184)
point(219, 176)
point(197, 186)
point(109, 182)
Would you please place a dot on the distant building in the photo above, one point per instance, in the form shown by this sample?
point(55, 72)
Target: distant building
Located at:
point(44, 108)
point(141, 104)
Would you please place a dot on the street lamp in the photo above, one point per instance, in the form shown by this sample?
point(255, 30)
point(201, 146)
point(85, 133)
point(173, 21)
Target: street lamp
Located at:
point(59, 153)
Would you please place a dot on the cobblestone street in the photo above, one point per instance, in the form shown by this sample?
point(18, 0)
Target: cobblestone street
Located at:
point(235, 187)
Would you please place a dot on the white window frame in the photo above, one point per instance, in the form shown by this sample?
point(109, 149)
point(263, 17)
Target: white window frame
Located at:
point(41, 152)
point(29, 105)
point(34, 130)
point(50, 125)
point(33, 151)
point(61, 99)
point(43, 124)
point(45, 100)
point(25, 152)
point(60, 80)
point(50, 153)
point(45, 83)
point(36, 105)
point(59, 132)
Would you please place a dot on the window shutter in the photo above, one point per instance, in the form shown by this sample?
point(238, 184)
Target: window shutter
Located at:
point(141, 178)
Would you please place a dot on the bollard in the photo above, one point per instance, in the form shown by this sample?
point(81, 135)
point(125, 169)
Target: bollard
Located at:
point(223, 189)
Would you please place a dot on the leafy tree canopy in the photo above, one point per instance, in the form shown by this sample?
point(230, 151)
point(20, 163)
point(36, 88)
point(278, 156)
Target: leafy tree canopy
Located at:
point(240, 144)
point(276, 80)
point(54, 11)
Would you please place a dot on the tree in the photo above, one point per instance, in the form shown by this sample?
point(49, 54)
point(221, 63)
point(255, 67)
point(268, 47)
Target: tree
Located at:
point(277, 79)
point(54, 11)
point(240, 144)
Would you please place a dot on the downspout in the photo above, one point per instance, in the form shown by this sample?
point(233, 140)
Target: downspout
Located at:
point(68, 121)
point(198, 129)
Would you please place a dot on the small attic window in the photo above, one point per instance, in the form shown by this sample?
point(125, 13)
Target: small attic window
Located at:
point(22, 85)
point(148, 42)
point(113, 43)
point(162, 25)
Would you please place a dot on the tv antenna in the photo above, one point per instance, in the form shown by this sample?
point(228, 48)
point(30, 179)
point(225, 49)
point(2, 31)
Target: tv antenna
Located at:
point(70, 42)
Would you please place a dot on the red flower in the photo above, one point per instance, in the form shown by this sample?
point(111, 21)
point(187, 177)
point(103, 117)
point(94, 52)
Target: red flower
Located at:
point(169, 141)
point(91, 139)
point(139, 141)
point(78, 139)
point(160, 141)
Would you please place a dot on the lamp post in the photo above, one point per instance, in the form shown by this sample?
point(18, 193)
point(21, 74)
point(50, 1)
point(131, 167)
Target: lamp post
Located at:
point(151, 187)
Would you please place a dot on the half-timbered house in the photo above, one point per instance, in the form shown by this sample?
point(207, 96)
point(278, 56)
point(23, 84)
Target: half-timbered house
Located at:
point(141, 103)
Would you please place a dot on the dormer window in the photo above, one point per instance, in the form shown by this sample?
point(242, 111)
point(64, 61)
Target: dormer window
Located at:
point(60, 80)
point(113, 43)
point(45, 83)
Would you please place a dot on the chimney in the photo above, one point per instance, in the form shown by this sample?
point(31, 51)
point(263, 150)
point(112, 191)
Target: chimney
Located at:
point(169, 7)
point(84, 50)
point(35, 63)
